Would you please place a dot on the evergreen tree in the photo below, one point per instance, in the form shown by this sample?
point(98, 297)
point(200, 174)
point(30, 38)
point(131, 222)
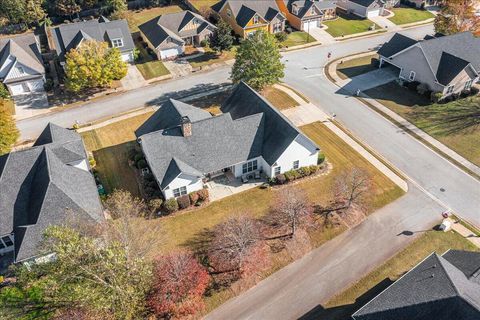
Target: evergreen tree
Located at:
point(222, 40)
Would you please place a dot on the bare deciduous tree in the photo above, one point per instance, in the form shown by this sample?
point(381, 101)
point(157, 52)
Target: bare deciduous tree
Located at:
point(350, 189)
point(290, 211)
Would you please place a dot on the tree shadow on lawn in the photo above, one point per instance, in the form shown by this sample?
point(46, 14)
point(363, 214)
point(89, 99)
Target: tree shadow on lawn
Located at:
point(345, 312)
point(182, 94)
point(399, 95)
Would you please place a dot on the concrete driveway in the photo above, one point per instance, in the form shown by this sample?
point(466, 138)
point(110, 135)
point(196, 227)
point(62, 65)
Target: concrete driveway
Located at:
point(369, 80)
point(30, 105)
point(321, 35)
point(133, 79)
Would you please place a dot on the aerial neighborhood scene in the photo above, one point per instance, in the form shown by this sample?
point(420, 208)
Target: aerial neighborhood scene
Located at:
point(240, 159)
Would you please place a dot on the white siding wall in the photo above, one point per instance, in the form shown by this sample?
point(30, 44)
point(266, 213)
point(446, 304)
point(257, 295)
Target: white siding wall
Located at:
point(238, 170)
point(353, 7)
point(82, 164)
point(183, 180)
point(300, 149)
point(6, 66)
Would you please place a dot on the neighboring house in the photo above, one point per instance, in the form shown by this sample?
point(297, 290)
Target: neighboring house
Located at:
point(247, 17)
point(69, 36)
point(21, 66)
point(424, 3)
point(363, 8)
point(443, 287)
point(448, 64)
point(169, 33)
point(44, 185)
point(306, 14)
point(392, 3)
point(185, 146)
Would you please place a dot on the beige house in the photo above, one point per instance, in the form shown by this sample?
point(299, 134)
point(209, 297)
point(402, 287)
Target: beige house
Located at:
point(306, 14)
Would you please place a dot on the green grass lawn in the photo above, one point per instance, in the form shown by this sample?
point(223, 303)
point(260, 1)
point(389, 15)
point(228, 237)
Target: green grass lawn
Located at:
point(297, 38)
point(136, 18)
point(347, 24)
point(211, 57)
point(345, 304)
point(419, 110)
point(410, 15)
point(355, 67)
point(149, 66)
point(279, 98)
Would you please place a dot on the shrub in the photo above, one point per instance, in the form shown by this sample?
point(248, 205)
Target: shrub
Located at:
point(137, 157)
point(203, 195)
point(422, 88)
point(413, 85)
point(154, 205)
point(314, 169)
point(292, 175)
point(91, 161)
point(149, 177)
point(304, 171)
point(48, 85)
point(183, 202)
point(171, 205)
point(281, 36)
point(204, 43)
point(194, 198)
point(4, 94)
point(436, 97)
point(141, 164)
point(152, 184)
point(280, 179)
point(321, 158)
point(149, 191)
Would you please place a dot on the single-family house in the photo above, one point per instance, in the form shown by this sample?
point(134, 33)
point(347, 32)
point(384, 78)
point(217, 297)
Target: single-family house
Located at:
point(306, 14)
point(168, 34)
point(185, 146)
point(363, 8)
point(448, 64)
point(45, 185)
point(424, 3)
point(247, 17)
point(21, 66)
point(69, 36)
point(442, 287)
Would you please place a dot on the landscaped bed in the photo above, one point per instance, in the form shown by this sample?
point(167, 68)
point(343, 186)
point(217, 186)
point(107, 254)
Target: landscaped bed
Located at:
point(433, 118)
point(297, 38)
point(347, 24)
point(345, 304)
point(410, 15)
point(357, 66)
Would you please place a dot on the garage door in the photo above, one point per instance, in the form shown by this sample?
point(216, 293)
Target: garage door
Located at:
point(170, 53)
point(19, 88)
point(373, 13)
point(310, 24)
point(36, 85)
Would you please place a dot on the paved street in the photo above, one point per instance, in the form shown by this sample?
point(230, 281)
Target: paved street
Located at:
point(301, 286)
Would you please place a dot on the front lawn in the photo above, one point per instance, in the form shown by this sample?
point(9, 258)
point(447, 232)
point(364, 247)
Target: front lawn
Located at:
point(210, 57)
point(136, 18)
point(345, 304)
point(461, 135)
point(347, 24)
point(280, 99)
point(355, 67)
point(297, 38)
point(149, 66)
point(410, 15)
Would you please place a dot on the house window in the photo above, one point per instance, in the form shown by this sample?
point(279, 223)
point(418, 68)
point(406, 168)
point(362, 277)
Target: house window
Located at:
point(249, 166)
point(179, 192)
point(117, 43)
point(277, 170)
point(255, 20)
point(450, 89)
point(25, 87)
point(295, 9)
point(296, 164)
point(412, 75)
point(468, 84)
point(7, 240)
point(277, 27)
point(229, 13)
point(20, 69)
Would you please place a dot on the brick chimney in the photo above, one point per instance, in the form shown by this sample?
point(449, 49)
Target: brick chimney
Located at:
point(186, 127)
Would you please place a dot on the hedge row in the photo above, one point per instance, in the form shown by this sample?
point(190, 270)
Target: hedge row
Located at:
point(183, 202)
point(295, 174)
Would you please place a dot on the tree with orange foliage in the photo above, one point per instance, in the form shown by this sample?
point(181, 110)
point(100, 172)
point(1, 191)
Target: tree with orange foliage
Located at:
point(179, 282)
point(457, 16)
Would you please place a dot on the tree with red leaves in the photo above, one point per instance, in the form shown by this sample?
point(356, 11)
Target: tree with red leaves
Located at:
point(178, 285)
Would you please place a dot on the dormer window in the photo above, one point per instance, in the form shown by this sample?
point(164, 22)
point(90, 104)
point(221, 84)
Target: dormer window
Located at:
point(117, 43)
point(295, 9)
point(20, 69)
point(255, 20)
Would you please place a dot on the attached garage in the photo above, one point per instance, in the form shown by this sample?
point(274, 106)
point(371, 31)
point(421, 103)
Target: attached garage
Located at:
point(310, 24)
point(20, 88)
point(171, 52)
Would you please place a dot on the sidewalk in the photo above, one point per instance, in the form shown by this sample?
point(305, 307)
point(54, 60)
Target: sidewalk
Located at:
point(466, 233)
point(332, 73)
point(308, 113)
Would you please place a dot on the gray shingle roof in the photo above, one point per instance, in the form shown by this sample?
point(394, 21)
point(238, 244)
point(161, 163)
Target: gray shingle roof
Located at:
point(25, 50)
point(38, 189)
point(447, 55)
point(244, 10)
point(68, 36)
point(250, 127)
point(305, 5)
point(365, 3)
point(158, 29)
point(436, 289)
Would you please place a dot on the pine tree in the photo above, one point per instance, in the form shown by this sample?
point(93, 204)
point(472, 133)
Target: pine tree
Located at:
point(222, 40)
